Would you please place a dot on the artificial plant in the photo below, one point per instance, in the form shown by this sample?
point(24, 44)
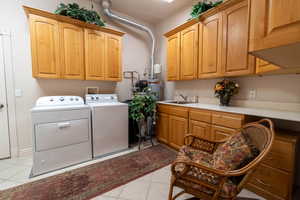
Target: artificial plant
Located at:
point(74, 11)
point(202, 7)
point(225, 90)
point(142, 106)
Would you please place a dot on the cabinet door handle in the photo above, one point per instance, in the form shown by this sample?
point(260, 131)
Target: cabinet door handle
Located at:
point(262, 182)
point(64, 125)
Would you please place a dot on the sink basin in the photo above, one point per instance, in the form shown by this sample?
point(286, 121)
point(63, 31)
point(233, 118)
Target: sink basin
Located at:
point(180, 102)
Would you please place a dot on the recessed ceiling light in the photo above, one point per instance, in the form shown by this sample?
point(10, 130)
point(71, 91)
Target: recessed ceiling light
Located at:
point(169, 1)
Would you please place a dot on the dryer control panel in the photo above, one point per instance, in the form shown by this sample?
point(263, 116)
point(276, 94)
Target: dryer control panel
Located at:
point(101, 98)
point(59, 101)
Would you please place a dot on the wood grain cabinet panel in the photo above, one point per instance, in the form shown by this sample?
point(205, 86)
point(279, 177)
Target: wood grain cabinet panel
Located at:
point(113, 70)
point(173, 57)
point(274, 23)
point(264, 66)
point(178, 128)
point(189, 53)
point(45, 52)
point(235, 58)
point(200, 129)
point(95, 55)
point(162, 129)
point(210, 42)
point(72, 51)
point(219, 132)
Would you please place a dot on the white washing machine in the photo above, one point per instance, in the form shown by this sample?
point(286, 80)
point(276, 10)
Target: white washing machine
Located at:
point(61, 133)
point(109, 124)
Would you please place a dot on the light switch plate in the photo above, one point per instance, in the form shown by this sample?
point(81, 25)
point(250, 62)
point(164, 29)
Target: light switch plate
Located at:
point(252, 94)
point(18, 92)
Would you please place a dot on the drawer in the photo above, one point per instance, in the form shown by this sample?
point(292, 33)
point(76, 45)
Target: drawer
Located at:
point(61, 134)
point(279, 161)
point(179, 111)
point(272, 180)
point(228, 120)
point(163, 109)
point(200, 115)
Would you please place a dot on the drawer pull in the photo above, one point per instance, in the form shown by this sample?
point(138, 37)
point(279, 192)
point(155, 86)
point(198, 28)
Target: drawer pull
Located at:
point(262, 182)
point(64, 125)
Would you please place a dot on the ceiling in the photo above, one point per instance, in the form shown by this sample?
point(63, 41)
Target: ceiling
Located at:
point(151, 11)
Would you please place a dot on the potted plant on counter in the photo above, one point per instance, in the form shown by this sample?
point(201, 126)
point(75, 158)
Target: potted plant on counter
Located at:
point(224, 90)
point(142, 109)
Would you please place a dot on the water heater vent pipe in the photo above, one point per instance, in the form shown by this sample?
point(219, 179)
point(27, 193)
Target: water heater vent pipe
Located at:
point(106, 4)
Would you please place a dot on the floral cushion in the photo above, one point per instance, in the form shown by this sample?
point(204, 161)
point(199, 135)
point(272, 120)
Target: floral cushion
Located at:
point(231, 154)
point(189, 154)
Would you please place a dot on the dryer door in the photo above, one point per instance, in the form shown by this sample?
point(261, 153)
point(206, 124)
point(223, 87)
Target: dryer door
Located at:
point(54, 135)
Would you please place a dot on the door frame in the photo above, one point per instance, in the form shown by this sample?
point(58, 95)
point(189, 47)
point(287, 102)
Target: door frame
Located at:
point(6, 44)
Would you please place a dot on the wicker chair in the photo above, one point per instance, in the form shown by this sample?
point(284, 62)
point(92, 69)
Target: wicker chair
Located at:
point(209, 182)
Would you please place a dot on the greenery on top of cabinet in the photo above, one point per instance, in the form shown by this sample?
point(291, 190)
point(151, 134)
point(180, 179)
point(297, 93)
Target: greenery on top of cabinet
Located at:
point(202, 7)
point(74, 11)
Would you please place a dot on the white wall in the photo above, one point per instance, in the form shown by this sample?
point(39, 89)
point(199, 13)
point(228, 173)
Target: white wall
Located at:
point(277, 91)
point(135, 57)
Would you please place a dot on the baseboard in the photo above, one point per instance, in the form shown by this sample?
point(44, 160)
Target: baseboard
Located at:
point(25, 152)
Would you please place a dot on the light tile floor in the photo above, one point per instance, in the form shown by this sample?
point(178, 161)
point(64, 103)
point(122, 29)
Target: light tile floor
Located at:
point(154, 186)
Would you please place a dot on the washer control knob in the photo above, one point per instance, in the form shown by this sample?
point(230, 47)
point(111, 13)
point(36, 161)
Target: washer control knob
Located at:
point(61, 99)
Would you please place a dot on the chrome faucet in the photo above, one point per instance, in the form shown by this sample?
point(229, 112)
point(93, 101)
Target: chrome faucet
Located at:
point(185, 98)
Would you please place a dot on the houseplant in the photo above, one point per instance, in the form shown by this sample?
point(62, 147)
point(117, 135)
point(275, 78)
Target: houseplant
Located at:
point(202, 7)
point(225, 90)
point(74, 11)
point(142, 109)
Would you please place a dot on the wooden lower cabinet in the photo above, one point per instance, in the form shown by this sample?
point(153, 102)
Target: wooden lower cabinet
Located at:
point(200, 129)
point(274, 178)
point(178, 128)
point(219, 132)
point(163, 127)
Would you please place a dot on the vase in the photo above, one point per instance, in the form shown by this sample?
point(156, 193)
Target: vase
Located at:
point(224, 100)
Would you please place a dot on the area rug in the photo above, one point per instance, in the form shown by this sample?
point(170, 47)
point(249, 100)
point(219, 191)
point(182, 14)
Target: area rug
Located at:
point(93, 180)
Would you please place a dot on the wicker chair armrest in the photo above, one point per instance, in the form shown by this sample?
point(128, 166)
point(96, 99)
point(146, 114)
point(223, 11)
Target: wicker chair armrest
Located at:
point(202, 144)
point(188, 164)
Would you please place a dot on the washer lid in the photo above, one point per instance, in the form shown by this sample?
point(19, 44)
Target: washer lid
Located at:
point(59, 108)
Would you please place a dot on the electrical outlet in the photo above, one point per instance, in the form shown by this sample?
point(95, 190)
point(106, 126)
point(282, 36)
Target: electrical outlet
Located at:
point(18, 92)
point(252, 94)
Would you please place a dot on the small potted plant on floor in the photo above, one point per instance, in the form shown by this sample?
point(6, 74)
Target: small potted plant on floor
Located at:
point(142, 109)
point(224, 90)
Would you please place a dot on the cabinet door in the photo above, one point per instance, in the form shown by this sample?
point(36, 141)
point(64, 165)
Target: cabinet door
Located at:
point(235, 58)
point(178, 128)
point(163, 128)
point(173, 57)
point(264, 66)
point(189, 53)
point(72, 51)
point(210, 42)
point(113, 70)
point(200, 129)
point(219, 132)
point(274, 23)
point(44, 47)
point(95, 55)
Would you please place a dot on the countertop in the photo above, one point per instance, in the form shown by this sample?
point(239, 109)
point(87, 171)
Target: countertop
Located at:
point(268, 113)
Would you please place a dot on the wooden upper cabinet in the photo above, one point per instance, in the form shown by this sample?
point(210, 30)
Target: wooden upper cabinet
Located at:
point(274, 23)
point(264, 66)
point(45, 52)
point(189, 53)
point(72, 51)
point(95, 55)
point(210, 42)
point(173, 57)
point(236, 60)
point(113, 70)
